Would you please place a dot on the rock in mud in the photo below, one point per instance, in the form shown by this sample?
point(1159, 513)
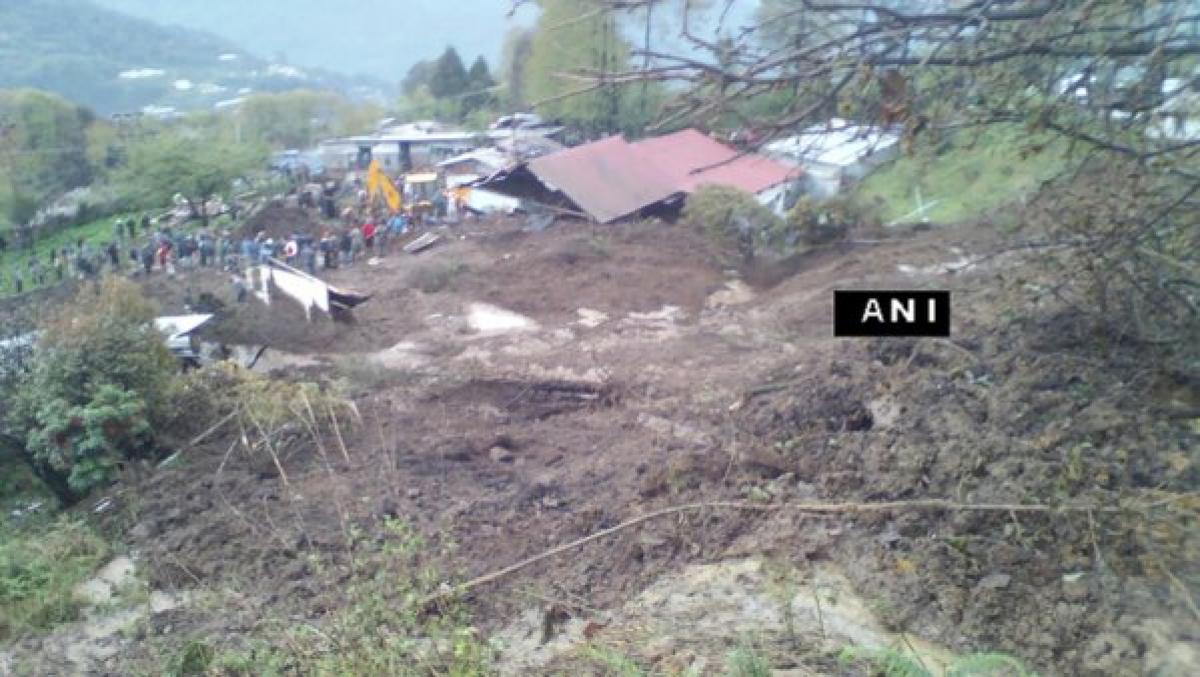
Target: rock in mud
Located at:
point(501, 455)
point(995, 582)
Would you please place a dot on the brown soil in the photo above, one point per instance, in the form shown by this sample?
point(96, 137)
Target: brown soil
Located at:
point(645, 408)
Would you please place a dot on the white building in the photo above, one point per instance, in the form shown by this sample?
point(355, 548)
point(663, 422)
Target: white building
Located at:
point(834, 154)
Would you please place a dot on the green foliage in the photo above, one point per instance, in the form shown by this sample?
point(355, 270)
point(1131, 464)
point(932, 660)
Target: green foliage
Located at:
point(815, 221)
point(39, 570)
point(613, 662)
point(77, 49)
point(448, 77)
point(435, 277)
point(747, 661)
point(968, 176)
point(100, 380)
point(893, 663)
point(731, 217)
point(194, 660)
point(479, 85)
point(43, 150)
point(443, 90)
point(573, 36)
point(299, 119)
point(85, 441)
point(518, 45)
point(379, 628)
point(197, 168)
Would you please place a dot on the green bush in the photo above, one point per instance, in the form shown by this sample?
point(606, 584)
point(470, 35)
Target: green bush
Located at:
point(39, 571)
point(733, 218)
point(812, 221)
point(100, 381)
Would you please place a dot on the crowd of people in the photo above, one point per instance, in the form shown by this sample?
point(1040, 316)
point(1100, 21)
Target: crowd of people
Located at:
point(143, 245)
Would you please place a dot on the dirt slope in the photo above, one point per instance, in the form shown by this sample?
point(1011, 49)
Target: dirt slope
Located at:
point(639, 374)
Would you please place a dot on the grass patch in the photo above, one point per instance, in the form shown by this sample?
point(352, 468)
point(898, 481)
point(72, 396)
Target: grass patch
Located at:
point(977, 173)
point(95, 233)
point(378, 628)
point(39, 569)
point(435, 277)
point(895, 663)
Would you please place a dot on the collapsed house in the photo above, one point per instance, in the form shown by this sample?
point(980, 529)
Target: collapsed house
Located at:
point(613, 179)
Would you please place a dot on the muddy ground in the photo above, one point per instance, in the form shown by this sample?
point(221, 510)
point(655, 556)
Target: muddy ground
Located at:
point(522, 390)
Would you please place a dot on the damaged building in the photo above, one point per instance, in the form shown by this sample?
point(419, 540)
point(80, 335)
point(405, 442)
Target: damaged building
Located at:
point(612, 179)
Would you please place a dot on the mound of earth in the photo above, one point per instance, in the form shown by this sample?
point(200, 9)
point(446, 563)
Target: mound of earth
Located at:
point(281, 222)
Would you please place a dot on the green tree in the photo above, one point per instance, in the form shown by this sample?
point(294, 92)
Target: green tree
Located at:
point(99, 381)
point(301, 118)
point(479, 87)
point(196, 168)
point(576, 37)
point(449, 77)
point(43, 149)
point(518, 45)
point(418, 76)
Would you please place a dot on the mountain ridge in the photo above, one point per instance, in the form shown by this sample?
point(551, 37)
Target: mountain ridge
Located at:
point(112, 62)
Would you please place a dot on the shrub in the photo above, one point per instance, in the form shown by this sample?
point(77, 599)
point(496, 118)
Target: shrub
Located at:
point(732, 217)
point(39, 572)
point(812, 221)
point(435, 277)
point(99, 384)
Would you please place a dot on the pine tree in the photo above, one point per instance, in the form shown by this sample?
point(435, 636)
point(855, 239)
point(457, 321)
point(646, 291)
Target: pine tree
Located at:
point(449, 77)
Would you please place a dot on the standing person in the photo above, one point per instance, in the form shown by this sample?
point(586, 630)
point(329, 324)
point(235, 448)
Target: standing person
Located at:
point(164, 253)
point(145, 224)
point(356, 244)
point(18, 283)
point(267, 250)
point(368, 233)
point(35, 272)
point(114, 256)
point(147, 255)
point(131, 228)
point(329, 247)
point(118, 229)
point(57, 262)
point(239, 288)
point(206, 249)
point(249, 250)
point(346, 244)
point(308, 257)
point(291, 250)
point(223, 245)
point(381, 236)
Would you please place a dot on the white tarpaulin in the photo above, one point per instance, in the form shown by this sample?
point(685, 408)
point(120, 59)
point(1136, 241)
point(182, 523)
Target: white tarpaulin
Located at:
point(488, 202)
point(306, 290)
point(180, 325)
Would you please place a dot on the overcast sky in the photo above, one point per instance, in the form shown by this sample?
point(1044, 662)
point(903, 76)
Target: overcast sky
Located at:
point(381, 38)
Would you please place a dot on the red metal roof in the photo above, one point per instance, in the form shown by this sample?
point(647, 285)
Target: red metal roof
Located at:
point(612, 178)
point(693, 159)
point(608, 179)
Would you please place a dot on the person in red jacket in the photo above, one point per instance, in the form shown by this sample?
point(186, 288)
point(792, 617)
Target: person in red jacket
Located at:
point(368, 233)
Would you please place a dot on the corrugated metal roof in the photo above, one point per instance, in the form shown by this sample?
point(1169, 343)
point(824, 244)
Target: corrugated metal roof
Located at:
point(608, 179)
point(693, 159)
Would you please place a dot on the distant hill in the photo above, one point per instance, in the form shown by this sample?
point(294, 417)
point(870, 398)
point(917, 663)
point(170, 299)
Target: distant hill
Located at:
point(380, 38)
point(114, 63)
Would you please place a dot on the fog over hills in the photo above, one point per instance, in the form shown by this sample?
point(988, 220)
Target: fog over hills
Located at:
point(112, 62)
point(379, 38)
